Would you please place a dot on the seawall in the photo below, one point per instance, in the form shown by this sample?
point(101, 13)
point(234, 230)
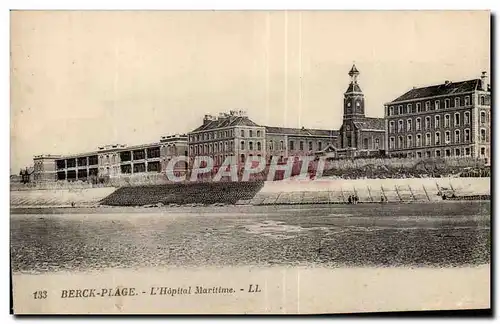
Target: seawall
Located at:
point(84, 197)
point(286, 192)
point(325, 191)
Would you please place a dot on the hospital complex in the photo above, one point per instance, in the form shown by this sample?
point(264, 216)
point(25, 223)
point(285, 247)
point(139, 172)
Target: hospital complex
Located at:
point(451, 119)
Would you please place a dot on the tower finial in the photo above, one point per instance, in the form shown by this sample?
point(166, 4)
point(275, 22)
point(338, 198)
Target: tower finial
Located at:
point(354, 73)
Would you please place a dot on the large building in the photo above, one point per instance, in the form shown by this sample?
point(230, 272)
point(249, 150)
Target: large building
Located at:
point(111, 161)
point(451, 119)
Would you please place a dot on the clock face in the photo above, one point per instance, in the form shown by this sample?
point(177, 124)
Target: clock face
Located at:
point(358, 104)
point(348, 104)
point(348, 127)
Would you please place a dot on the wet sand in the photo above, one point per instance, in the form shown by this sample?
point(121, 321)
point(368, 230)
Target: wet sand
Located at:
point(451, 234)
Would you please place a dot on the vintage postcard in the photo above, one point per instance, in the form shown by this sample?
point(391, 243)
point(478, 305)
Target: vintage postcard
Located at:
point(250, 162)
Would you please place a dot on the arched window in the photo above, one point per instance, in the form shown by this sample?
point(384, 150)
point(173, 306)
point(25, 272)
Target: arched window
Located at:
point(365, 143)
point(259, 147)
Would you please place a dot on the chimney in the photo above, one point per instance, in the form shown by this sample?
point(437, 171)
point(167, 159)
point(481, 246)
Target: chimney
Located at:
point(207, 119)
point(447, 82)
point(484, 85)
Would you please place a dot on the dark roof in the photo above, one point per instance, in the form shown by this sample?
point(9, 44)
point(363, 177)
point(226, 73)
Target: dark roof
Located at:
point(370, 123)
point(226, 122)
point(353, 87)
point(301, 131)
point(353, 70)
point(441, 89)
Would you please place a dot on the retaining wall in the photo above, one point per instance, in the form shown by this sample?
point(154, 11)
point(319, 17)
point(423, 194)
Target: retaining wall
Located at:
point(59, 198)
point(370, 190)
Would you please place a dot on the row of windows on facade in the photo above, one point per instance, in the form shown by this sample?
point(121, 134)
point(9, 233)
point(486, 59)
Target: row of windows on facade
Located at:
point(437, 122)
point(229, 146)
point(222, 134)
point(447, 152)
point(409, 108)
point(81, 161)
point(437, 139)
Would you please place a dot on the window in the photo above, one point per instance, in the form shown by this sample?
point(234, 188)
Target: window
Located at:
point(467, 135)
point(400, 142)
point(242, 158)
point(310, 146)
point(242, 145)
point(282, 145)
point(427, 105)
point(466, 118)
point(418, 140)
point(418, 106)
point(447, 103)
point(292, 145)
point(391, 111)
point(483, 135)
point(400, 125)
point(320, 146)
point(409, 108)
point(447, 137)
point(467, 101)
point(377, 143)
point(259, 146)
point(438, 153)
point(457, 119)
point(400, 110)
point(427, 122)
point(437, 121)
point(408, 125)
point(437, 138)
point(301, 145)
point(250, 145)
point(391, 126)
point(436, 105)
point(483, 117)
point(483, 151)
point(467, 151)
point(418, 124)
point(391, 143)
point(271, 145)
point(447, 152)
point(419, 154)
point(258, 133)
point(428, 139)
point(446, 120)
point(457, 152)
point(481, 100)
point(457, 136)
point(428, 154)
point(242, 133)
point(457, 102)
point(365, 143)
point(250, 133)
point(408, 141)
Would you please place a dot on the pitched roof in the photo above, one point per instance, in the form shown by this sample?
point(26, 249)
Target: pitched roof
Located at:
point(353, 87)
point(226, 122)
point(370, 123)
point(440, 89)
point(301, 131)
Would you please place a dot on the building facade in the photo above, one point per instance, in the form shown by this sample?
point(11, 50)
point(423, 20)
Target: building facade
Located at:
point(451, 119)
point(111, 161)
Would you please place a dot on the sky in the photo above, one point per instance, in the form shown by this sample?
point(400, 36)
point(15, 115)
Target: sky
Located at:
point(82, 79)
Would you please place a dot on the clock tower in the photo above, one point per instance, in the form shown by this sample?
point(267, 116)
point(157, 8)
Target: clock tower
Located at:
point(354, 99)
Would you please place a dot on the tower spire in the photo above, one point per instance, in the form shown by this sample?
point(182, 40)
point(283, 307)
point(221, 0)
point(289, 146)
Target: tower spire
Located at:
point(354, 74)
